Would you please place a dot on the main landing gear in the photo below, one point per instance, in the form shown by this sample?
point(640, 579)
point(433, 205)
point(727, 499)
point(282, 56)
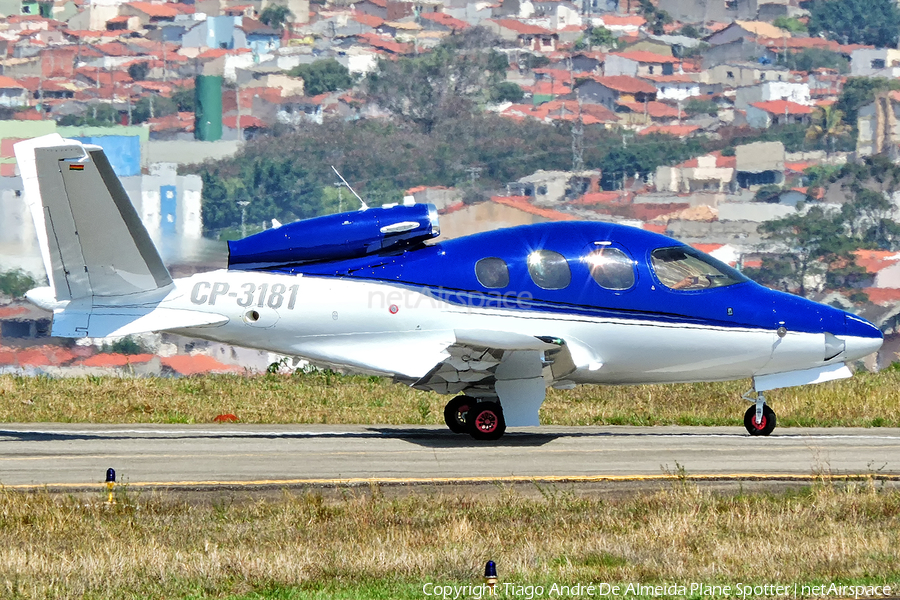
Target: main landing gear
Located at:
point(759, 418)
point(482, 420)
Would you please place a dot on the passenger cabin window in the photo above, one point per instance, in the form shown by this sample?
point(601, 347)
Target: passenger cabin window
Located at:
point(549, 269)
point(611, 268)
point(683, 268)
point(492, 272)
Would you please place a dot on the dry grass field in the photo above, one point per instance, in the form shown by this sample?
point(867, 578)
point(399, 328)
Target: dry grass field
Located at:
point(866, 400)
point(366, 545)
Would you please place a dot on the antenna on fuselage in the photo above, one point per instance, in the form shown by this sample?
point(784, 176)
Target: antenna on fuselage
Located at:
point(361, 201)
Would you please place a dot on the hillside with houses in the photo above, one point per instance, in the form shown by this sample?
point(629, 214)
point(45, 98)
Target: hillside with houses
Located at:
point(762, 132)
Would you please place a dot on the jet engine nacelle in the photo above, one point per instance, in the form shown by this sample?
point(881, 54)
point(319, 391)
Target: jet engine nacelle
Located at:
point(336, 237)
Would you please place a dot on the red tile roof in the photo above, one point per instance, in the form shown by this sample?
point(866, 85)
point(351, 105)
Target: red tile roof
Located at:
point(8, 312)
point(522, 28)
point(874, 261)
point(446, 20)
point(246, 122)
point(115, 360)
point(164, 10)
point(384, 44)
point(548, 88)
point(783, 107)
point(594, 198)
point(722, 162)
point(8, 83)
point(675, 130)
point(883, 296)
point(368, 20)
point(645, 56)
point(522, 203)
point(623, 20)
point(656, 110)
point(193, 365)
point(679, 78)
point(625, 84)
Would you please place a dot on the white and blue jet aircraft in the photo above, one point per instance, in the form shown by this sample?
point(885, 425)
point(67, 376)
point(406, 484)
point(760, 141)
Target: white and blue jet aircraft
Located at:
point(492, 319)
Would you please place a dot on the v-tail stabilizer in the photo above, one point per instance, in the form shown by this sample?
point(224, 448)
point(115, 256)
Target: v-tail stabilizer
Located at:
point(106, 277)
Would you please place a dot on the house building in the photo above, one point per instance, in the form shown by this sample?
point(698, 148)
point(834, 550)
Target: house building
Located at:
point(875, 62)
point(612, 91)
point(532, 37)
point(12, 93)
point(639, 63)
point(878, 125)
point(762, 115)
point(759, 163)
point(744, 74)
point(704, 11)
point(768, 91)
point(746, 30)
point(711, 172)
point(673, 87)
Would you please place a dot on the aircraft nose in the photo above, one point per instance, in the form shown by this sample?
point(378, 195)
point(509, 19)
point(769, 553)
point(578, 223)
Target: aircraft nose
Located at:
point(861, 337)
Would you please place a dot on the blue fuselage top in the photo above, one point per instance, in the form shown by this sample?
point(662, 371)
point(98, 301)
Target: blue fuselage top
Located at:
point(447, 270)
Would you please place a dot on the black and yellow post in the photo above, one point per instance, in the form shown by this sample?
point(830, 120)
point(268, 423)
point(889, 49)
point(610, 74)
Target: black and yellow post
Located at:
point(110, 484)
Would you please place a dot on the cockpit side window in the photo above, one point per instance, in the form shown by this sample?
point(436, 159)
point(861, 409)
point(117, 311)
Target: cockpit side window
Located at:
point(492, 272)
point(611, 268)
point(549, 269)
point(684, 268)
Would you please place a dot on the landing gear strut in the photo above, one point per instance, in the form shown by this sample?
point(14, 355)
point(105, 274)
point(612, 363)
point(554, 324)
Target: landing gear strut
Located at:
point(759, 418)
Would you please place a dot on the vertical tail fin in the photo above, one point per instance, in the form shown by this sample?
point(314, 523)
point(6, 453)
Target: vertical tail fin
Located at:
point(92, 241)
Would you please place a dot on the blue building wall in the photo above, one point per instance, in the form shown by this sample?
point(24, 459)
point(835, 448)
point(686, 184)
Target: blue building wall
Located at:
point(123, 152)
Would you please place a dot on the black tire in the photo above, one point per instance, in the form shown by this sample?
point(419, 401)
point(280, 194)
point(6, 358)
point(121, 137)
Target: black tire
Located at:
point(485, 421)
point(455, 413)
point(764, 428)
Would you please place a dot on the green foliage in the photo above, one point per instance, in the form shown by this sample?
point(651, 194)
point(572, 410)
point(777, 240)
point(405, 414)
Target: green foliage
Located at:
point(97, 115)
point(870, 22)
point(828, 125)
point(327, 75)
point(696, 106)
point(450, 81)
point(533, 61)
point(820, 242)
point(642, 156)
point(691, 31)
point(859, 91)
point(506, 91)
point(768, 193)
point(811, 59)
point(791, 24)
point(276, 16)
point(184, 99)
point(152, 106)
point(138, 71)
point(599, 37)
point(656, 18)
point(820, 175)
point(16, 282)
point(126, 345)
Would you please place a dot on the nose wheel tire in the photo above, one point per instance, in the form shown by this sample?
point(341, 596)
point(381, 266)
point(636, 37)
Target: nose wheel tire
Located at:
point(765, 427)
point(455, 413)
point(485, 421)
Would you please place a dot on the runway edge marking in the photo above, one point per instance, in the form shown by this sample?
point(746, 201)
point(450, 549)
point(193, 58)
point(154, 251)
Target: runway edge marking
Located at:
point(355, 481)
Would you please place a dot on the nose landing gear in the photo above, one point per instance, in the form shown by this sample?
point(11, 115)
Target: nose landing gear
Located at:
point(759, 418)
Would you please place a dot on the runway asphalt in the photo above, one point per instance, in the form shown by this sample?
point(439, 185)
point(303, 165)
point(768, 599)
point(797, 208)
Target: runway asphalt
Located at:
point(72, 456)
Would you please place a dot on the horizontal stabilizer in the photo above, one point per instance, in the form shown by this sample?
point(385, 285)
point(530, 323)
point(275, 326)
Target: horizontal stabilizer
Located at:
point(117, 322)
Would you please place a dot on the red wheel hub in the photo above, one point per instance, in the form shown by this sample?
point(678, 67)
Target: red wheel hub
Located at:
point(487, 421)
point(761, 425)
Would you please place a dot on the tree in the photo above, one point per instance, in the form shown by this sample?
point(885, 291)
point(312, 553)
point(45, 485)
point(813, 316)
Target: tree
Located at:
point(656, 18)
point(451, 80)
point(152, 106)
point(812, 59)
point(600, 37)
point(696, 106)
point(16, 282)
point(859, 91)
point(506, 91)
point(99, 114)
point(870, 22)
point(276, 16)
point(138, 71)
point(828, 124)
point(791, 24)
point(184, 99)
point(323, 76)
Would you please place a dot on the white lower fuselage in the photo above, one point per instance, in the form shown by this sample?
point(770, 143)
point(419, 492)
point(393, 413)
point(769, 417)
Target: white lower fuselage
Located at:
point(392, 329)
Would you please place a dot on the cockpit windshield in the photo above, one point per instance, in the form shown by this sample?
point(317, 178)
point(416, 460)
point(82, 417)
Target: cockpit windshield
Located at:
point(684, 268)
